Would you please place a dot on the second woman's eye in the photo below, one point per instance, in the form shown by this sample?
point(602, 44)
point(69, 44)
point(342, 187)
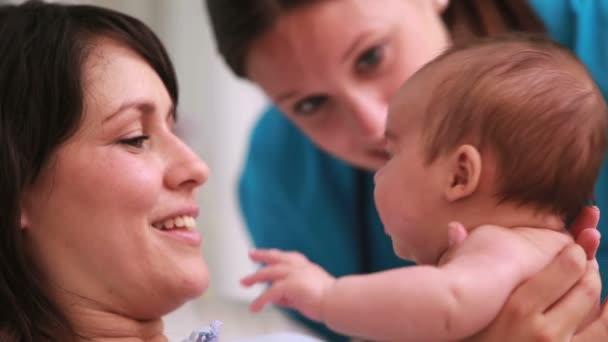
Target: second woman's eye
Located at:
point(309, 105)
point(370, 58)
point(137, 142)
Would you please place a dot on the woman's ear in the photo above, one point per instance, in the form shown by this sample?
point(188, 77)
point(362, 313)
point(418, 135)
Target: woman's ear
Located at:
point(441, 5)
point(465, 172)
point(24, 222)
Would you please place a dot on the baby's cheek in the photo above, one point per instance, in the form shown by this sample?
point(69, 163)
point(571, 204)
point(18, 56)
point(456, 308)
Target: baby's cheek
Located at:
point(384, 190)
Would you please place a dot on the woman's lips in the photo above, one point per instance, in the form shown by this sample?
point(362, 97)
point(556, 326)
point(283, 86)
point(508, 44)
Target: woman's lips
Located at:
point(187, 235)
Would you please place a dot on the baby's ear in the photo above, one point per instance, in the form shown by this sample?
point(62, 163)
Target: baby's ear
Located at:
point(464, 172)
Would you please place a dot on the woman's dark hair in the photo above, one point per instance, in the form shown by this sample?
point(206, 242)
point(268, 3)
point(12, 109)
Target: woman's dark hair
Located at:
point(44, 47)
point(237, 24)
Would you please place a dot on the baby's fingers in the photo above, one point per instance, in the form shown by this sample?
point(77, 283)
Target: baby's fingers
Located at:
point(272, 295)
point(265, 274)
point(273, 256)
point(267, 256)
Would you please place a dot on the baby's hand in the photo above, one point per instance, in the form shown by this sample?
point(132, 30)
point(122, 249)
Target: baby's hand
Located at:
point(295, 282)
point(457, 233)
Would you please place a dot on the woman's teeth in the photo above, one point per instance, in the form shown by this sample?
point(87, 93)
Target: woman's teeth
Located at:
point(176, 222)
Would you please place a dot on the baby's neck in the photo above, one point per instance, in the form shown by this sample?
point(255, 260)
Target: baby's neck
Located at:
point(507, 216)
point(514, 216)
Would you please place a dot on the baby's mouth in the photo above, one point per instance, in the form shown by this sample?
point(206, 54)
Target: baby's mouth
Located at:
point(380, 154)
point(184, 221)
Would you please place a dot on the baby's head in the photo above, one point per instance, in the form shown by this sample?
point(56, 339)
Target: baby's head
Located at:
point(508, 131)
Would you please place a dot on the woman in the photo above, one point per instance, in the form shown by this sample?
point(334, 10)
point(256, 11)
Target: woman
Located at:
point(98, 194)
point(330, 67)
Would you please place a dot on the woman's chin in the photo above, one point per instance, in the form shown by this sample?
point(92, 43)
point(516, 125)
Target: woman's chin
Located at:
point(189, 280)
point(195, 282)
point(188, 287)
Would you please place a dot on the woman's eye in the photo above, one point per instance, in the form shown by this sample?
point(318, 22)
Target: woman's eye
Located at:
point(309, 105)
point(137, 142)
point(370, 58)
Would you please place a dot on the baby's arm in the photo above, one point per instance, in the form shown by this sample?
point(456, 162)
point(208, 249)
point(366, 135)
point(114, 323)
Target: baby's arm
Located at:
point(436, 303)
point(413, 303)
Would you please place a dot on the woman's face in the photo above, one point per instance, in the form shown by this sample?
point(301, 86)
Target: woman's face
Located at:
point(332, 67)
point(95, 219)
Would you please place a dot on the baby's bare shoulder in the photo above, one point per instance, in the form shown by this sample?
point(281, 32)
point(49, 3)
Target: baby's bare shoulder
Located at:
point(522, 241)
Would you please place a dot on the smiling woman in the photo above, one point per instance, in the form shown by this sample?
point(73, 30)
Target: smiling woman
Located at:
point(98, 193)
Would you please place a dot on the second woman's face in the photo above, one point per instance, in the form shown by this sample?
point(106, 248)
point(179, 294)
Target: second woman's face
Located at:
point(110, 218)
point(333, 66)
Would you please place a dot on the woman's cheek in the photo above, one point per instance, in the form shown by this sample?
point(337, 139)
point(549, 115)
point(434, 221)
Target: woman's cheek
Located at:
point(129, 182)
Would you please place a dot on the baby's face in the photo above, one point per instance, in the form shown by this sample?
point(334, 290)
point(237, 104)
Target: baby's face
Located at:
point(408, 192)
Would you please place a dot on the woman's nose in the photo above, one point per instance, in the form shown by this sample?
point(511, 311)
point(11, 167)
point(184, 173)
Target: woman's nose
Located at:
point(187, 169)
point(368, 116)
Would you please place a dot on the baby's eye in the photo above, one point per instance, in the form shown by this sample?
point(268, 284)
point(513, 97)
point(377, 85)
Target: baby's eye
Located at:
point(137, 142)
point(309, 105)
point(370, 58)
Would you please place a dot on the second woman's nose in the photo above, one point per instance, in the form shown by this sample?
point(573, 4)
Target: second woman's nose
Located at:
point(367, 115)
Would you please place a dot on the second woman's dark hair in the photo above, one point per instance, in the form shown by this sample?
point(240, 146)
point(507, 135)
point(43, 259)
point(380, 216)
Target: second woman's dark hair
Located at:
point(237, 24)
point(44, 47)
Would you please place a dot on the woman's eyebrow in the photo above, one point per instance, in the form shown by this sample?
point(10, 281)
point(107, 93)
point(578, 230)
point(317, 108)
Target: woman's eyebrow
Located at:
point(355, 44)
point(285, 96)
point(142, 106)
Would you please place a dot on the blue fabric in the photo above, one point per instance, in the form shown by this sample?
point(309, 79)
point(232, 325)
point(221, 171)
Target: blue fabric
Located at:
point(297, 197)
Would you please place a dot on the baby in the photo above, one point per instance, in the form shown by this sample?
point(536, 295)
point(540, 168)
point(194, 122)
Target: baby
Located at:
point(500, 141)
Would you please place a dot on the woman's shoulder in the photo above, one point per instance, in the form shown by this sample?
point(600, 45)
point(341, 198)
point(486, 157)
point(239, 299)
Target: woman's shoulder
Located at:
point(557, 17)
point(565, 19)
point(581, 26)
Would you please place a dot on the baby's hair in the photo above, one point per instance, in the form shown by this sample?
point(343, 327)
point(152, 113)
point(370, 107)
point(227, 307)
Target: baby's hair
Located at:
point(533, 106)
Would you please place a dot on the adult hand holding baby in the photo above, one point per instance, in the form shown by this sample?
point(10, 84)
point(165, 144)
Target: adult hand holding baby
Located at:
point(536, 305)
point(584, 230)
